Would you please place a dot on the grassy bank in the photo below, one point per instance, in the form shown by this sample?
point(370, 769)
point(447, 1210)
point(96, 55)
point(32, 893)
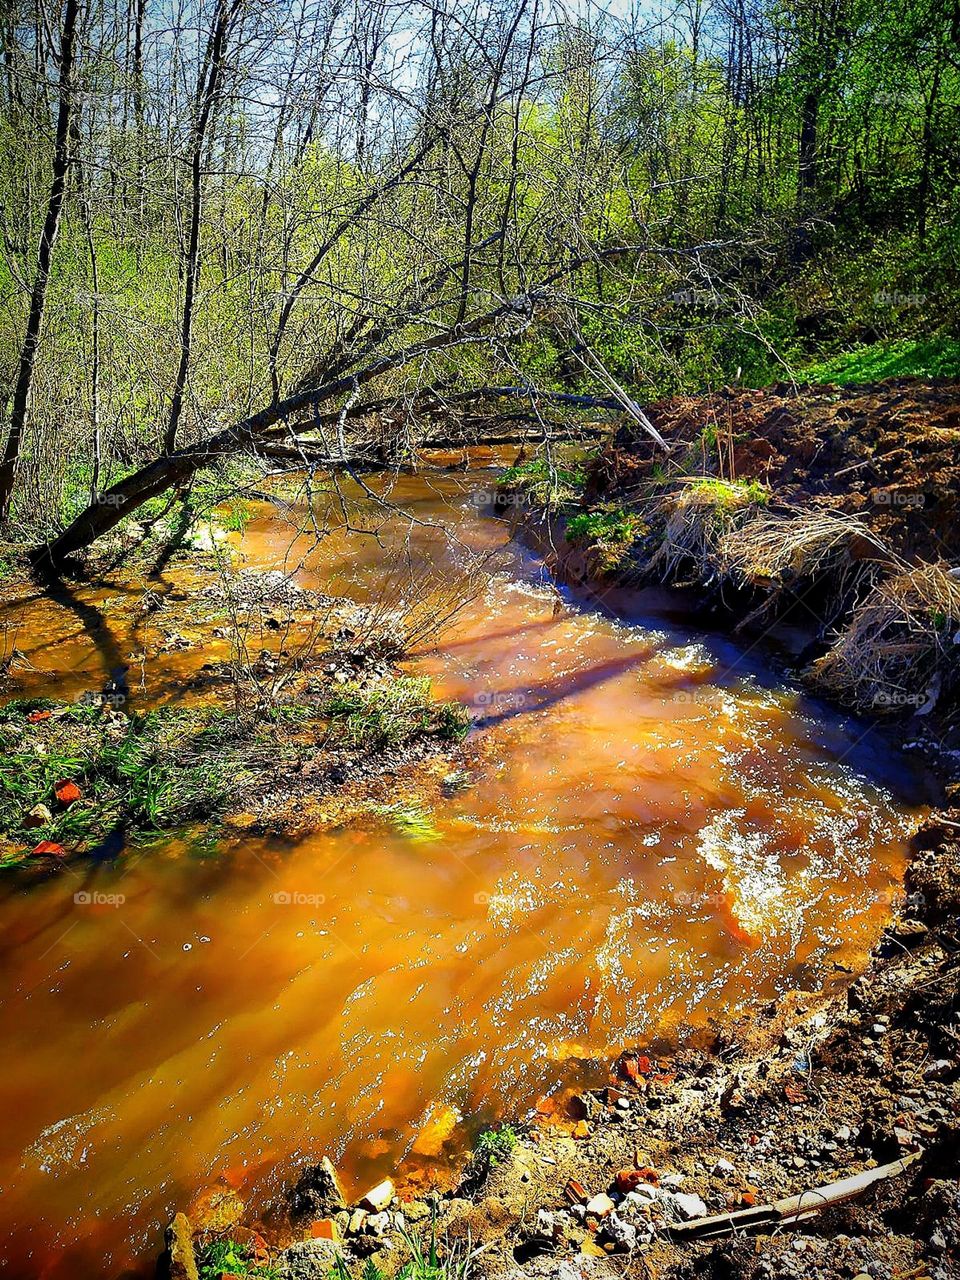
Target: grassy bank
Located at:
point(73, 774)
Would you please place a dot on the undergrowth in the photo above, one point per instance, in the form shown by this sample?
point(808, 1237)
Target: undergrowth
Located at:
point(228, 1258)
point(611, 531)
point(494, 1145)
point(388, 715)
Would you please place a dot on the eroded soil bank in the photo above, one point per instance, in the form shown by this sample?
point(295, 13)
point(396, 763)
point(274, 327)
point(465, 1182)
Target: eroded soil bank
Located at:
point(823, 522)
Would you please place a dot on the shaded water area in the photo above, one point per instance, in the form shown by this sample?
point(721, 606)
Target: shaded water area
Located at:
point(663, 834)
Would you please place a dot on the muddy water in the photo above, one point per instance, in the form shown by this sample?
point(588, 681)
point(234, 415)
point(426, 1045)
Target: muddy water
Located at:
point(665, 833)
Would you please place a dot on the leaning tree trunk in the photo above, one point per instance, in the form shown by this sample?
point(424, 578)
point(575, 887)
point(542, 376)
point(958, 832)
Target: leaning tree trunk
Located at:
point(175, 469)
point(38, 296)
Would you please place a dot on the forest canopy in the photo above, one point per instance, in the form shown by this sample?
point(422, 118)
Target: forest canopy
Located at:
point(232, 227)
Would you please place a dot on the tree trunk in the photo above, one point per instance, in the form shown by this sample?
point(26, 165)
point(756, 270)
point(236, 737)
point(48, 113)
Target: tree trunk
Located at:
point(208, 86)
point(48, 236)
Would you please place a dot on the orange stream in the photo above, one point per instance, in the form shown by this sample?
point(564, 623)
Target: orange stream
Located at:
point(666, 833)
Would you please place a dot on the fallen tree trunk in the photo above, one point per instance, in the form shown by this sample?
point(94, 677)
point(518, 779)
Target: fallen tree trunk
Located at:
point(258, 433)
point(177, 468)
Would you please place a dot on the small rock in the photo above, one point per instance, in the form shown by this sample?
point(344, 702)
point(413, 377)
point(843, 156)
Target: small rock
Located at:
point(908, 930)
point(600, 1205)
point(932, 1071)
point(377, 1197)
point(644, 1194)
point(378, 1224)
point(308, 1260)
point(689, 1205)
point(844, 1133)
point(672, 1181)
point(938, 1241)
point(623, 1235)
point(317, 1192)
point(723, 1168)
point(181, 1262)
point(357, 1219)
point(38, 816)
point(545, 1224)
point(324, 1229)
point(415, 1210)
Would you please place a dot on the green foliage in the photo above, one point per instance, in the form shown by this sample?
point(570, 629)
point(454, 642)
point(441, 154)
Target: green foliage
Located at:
point(427, 1261)
point(612, 531)
point(616, 525)
point(842, 264)
point(729, 493)
point(228, 1258)
point(410, 820)
point(166, 768)
point(236, 516)
point(494, 1145)
point(547, 484)
point(935, 358)
point(153, 772)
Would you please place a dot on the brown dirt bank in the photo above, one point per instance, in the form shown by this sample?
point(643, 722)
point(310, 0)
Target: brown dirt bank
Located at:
point(826, 521)
point(887, 452)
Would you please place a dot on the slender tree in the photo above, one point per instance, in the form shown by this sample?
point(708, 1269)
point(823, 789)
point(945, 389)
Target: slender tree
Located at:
point(66, 106)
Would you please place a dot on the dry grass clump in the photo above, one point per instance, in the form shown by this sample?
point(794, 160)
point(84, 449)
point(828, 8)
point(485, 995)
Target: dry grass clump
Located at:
point(700, 516)
point(901, 645)
point(803, 545)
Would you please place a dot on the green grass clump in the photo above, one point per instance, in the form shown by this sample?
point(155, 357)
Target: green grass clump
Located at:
point(548, 486)
point(389, 715)
point(612, 531)
point(149, 772)
point(410, 820)
point(604, 526)
point(494, 1145)
point(927, 358)
point(228, 1258)
point(729, 493)
point(427, 1261)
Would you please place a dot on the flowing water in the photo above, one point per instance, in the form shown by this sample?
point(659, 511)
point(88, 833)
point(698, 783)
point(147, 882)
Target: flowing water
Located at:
point(665, 833)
